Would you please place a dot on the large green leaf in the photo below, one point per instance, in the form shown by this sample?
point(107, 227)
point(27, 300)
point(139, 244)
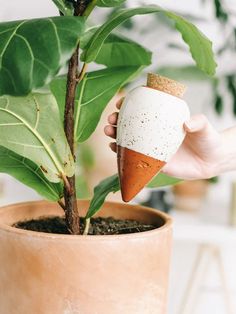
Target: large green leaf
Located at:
point(108, 185)
point(109, 3)
point(31, 127)
point(93, 93)
point(121, 51)
point(200, 46)
point(29, 174)
point(112, 184)
point(118, 50)
point(65, 7)
point(33, 51)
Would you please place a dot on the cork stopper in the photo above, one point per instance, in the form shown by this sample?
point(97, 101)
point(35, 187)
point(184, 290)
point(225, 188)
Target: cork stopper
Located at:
point(166, 85)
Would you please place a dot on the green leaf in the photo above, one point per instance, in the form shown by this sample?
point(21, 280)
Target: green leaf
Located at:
point(33, 51)
point(121, 51)
point(110, 184)
point(118, 50)
point(31, 127)
point(58, 89)
point(162, 180)
point(28, 173)
point(109, 3)
point(200, 46)
point(65, 7)
point(93, 94)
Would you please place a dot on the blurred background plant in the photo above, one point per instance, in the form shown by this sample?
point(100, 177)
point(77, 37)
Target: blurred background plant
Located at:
point(224, 16)
point(85, 165)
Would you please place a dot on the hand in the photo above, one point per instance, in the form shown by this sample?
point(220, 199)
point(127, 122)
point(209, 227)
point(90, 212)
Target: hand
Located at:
point(202, 154)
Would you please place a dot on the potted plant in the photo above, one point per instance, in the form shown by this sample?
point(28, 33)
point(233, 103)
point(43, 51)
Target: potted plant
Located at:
point(43, 117)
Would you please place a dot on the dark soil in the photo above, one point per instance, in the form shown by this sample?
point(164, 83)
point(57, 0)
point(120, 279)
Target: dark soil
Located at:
point(98, 226)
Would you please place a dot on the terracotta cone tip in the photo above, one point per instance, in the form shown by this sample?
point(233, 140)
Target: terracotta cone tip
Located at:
point(166, 85)
point(135, 171)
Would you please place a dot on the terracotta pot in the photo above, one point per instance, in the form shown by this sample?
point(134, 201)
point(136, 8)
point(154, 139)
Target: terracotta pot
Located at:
point(62, 274)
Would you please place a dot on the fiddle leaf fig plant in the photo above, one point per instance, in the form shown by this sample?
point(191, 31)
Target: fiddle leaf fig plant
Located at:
point(44, 114)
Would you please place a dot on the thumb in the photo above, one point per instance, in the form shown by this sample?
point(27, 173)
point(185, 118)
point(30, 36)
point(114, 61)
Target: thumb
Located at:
point(198, 124)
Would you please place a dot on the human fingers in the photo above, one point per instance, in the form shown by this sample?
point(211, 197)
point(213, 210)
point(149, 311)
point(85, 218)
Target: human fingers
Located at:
point(112, 118)
point(119, 103)
point(198, 124)
point(113, 147)
point(174, 170)
point(110, 131)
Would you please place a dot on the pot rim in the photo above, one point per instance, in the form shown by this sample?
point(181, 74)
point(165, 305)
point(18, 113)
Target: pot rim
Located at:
point(168, 222)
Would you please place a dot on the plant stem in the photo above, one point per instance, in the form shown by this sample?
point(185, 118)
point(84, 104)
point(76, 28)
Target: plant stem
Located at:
point(60, 202)
point(86, 228)
point(82, 72)
point(82, 7)
point(71, 209)
point(90, 8)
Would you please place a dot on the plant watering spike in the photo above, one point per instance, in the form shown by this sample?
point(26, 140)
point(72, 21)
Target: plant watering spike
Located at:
point(149, 131)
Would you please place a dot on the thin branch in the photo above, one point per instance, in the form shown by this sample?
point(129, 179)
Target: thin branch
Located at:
point(82, 72)
point(90, 7)
point(86, 228)
point(71, 211)
point(62, 204)
point(66, 183)
point(84, 7)
point(81, 8)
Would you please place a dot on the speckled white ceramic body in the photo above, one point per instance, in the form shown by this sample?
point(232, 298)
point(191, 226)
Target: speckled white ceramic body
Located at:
point(151, 122)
